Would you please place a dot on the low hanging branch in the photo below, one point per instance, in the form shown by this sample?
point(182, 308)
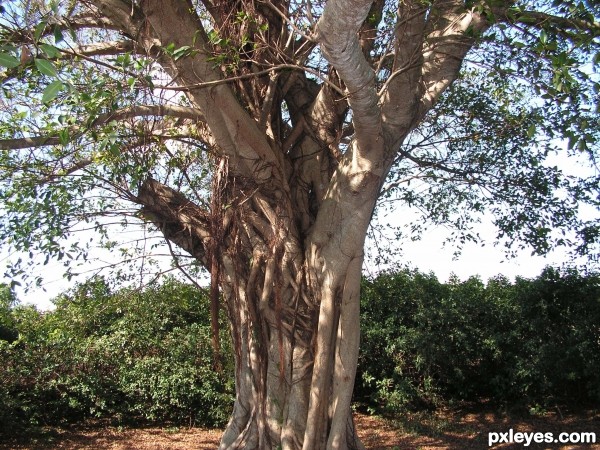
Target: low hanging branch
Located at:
point(181, 221)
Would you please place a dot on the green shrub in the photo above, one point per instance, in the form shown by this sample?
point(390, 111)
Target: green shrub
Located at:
point(127, 355)
point(391, 373)
point(8, 301)
point(557, 352)
point(533, 341)
point(147, 356)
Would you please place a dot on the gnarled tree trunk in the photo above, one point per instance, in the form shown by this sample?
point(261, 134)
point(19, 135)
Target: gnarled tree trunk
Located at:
point(292, 298)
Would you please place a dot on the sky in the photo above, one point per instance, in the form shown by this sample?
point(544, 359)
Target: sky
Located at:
point(429, 254)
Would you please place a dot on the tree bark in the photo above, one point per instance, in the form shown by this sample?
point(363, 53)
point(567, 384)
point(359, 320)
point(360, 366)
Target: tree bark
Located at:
point(293, 306)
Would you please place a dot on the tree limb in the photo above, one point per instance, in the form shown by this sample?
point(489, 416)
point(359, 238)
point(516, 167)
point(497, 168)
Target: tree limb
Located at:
point(446, 47)
point(81, 21)
point(103, 49)
point(541, 19)
point(402, 90)
point(181, 221)
point(28, 142)
point(337, 32)
point(121, 114)
point(236, 133)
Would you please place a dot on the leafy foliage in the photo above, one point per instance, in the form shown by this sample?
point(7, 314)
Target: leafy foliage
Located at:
point(476, 150)
point(532, 342)
point(127, 355)
point(8, 331)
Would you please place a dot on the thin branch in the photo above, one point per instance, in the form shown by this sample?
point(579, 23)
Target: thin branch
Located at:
point(182, 112)
point(280, 67)
point(87, 58)
point(68, 171)
point(433, 164)
point(394, 75)
point(122, 114)
point(539, 19)
point(102, 49)
point(289, 22)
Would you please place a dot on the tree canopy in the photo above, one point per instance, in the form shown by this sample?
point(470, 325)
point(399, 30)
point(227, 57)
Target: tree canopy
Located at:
point(89, 111)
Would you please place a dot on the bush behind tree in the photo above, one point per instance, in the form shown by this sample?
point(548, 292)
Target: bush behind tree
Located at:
point(146, 356)
point(531, 342)
point(132, 356)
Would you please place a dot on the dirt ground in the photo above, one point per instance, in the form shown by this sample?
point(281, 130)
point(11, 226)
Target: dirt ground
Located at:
point(452, 430)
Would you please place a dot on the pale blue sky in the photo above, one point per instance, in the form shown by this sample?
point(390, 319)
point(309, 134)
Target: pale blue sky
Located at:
point(426, 255)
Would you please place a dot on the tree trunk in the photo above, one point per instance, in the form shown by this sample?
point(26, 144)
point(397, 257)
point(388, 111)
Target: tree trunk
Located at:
point(293, 306)
point(295, 327)
point(290, 209)
point(292, 298)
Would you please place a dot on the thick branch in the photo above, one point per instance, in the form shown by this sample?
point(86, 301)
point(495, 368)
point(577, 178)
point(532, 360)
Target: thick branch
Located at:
point(404, 88)
point(541, 19)
point(181, 221)
point(337, 32)
point(19, 36)
point(28, 142)
point(122, 15)
point(369, 29)
point(88, 20)
point(104, 48)
point(446, 47)
point(236, 134)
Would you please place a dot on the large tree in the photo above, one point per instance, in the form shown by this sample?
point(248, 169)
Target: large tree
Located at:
point(258, 136)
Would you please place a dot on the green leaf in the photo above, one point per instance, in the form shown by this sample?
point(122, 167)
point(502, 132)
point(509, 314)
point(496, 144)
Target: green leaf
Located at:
point(46, 67)
point(63, 136)
point(181, 52)
point(8, 60)
point(58, 36)
point(52, 91)
point(39, 30)
point(50, 50)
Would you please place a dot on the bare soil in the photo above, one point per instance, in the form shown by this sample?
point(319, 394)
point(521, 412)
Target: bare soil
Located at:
point(446, 429)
